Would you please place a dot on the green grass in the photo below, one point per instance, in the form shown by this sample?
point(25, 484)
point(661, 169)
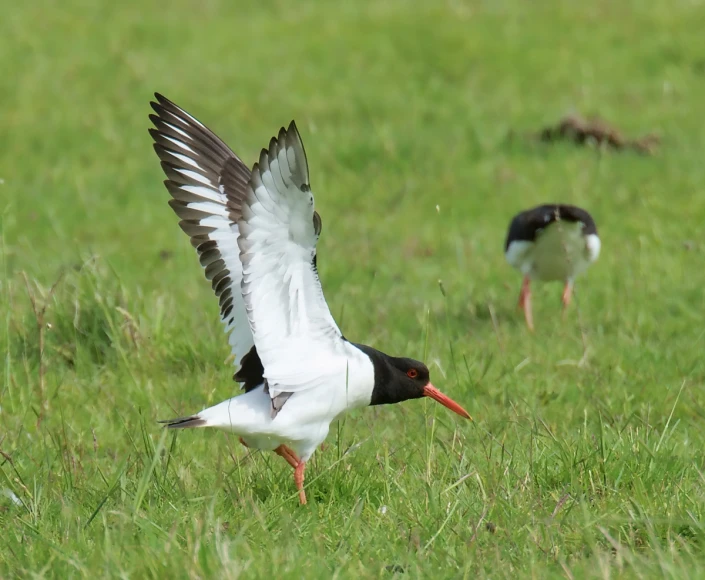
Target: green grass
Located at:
point(587, 456)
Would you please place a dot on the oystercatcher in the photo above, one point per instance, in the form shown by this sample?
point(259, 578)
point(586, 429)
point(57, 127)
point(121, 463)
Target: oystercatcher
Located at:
point(256, 233)
point(551, 242)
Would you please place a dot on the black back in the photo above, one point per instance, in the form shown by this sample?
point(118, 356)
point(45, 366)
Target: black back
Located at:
point(528, 224)
point(251, 371)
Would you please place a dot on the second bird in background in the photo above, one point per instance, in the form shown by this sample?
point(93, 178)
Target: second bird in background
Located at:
point(551, 242)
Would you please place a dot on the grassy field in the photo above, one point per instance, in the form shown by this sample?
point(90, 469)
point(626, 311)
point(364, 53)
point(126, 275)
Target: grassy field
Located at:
point(587, 456)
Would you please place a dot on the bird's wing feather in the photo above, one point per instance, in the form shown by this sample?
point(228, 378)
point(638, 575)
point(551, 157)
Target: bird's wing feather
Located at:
point(194, 160)
point(297, 340)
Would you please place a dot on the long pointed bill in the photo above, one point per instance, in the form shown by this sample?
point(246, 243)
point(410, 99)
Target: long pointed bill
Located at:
point(431, 391)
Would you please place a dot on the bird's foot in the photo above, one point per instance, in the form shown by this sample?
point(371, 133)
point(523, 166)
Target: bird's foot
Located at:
point(298, 465)
point(291, 457)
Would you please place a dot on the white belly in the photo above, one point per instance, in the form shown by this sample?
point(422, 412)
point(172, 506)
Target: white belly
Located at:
point(302, 423)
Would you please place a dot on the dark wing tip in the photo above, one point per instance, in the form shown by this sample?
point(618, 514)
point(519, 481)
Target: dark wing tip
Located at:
point(272, 148)
point(263, 159)
point(160, 104)
point(153, 131)
point(183, 422)
point(161, 99)
point(295, 142)
point(293, 135)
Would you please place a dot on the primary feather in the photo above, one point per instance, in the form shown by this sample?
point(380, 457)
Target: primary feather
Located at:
point(194, 160)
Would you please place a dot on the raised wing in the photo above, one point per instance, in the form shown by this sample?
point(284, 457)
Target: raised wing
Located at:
point(297, 339)
point(193, 159)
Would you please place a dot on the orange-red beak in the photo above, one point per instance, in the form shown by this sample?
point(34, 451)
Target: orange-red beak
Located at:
point(430, 391)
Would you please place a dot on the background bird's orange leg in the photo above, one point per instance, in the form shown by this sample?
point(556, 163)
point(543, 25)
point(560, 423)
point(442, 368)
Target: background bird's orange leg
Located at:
point(525, 302)
point(567, 295)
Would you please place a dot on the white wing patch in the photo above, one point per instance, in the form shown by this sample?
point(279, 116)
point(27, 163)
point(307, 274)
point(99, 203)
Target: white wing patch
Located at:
point(297, 340)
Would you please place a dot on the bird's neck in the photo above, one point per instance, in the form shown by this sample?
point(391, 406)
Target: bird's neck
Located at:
point(386, 390)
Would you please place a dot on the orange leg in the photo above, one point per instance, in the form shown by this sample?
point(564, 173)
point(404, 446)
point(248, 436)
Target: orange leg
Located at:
point(291, 457)
point(298, 465)
point(299, 480)
point(567, 294)
point(525, 302)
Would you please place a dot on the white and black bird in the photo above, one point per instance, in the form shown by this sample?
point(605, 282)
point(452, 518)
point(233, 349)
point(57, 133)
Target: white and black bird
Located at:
point(256, 233)
point(551, 242)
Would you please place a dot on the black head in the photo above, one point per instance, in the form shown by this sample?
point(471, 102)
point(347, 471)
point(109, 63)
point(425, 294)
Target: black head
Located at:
point(401, 379)
point(404, 378)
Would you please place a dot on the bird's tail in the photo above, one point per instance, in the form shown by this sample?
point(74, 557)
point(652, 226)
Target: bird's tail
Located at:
point(184, 422)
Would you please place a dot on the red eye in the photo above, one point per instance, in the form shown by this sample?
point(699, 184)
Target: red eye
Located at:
point(412, 373)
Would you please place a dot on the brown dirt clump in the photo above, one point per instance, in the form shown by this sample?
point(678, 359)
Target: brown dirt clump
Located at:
point(598, 132)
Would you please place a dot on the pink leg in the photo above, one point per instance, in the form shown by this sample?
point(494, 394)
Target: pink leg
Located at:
point(567, 295)
point(525, 302)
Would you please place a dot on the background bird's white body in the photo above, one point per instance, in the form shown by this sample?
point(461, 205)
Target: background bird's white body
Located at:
point(560, 252)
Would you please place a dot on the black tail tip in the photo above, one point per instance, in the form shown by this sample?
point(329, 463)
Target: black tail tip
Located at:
point(184, 422)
